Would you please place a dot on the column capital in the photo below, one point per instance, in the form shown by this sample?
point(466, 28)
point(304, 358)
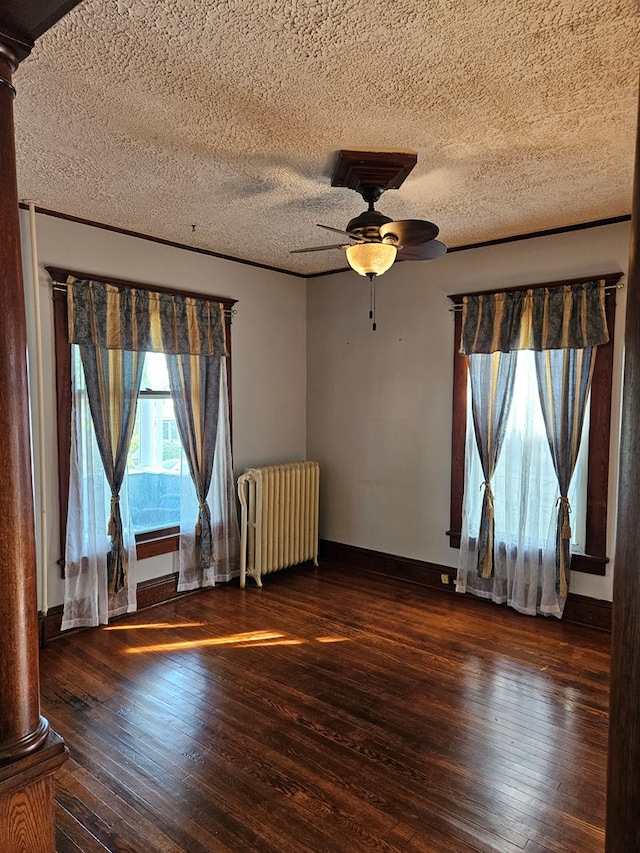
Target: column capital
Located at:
point(13, 48)
point(9, 59)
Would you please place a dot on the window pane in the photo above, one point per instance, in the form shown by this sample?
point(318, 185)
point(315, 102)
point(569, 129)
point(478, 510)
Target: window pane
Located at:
point(578, 488)
point(154, 375)
point(155, 458)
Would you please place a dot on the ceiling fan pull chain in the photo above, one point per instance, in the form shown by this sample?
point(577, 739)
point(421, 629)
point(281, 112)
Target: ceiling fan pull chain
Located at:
point(372, 303)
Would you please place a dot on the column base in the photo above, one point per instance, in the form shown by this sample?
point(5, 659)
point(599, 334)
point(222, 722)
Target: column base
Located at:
point(27, 814)
point(18, 749)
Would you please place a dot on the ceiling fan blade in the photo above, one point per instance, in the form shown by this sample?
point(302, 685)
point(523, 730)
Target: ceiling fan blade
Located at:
point(340, 231)
point(318, 248)
point(410, 232)
point(424, 252)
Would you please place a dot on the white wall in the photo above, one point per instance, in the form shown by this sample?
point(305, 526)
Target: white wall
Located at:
point(379, 403)
point(311, 380)
point(268, 350)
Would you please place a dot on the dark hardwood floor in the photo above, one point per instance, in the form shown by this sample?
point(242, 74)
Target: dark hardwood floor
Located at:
point(333, 711)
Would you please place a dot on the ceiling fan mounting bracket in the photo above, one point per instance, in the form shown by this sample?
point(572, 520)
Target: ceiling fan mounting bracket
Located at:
point(370, 193)
point(385, 170)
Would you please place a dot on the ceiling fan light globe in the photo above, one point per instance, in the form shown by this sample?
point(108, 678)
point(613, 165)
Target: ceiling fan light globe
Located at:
point(371, 258)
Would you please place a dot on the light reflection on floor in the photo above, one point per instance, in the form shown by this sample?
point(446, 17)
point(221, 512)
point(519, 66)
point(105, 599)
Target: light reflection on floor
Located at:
point(184, 687)
point(243, 640)
point(510, 695)
point(148, 625)
point(518, 702)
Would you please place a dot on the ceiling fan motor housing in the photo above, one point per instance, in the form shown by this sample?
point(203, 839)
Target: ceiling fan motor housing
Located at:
point(368, 224)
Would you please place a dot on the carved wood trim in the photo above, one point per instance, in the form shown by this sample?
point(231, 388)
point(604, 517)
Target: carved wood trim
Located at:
point(24, 21)
point(385, 169)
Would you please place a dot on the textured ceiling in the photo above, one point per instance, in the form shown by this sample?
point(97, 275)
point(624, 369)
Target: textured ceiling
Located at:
point(156, 116)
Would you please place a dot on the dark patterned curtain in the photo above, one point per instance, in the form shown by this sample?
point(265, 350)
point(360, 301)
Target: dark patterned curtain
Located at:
point(195, 388)
point(564, 379)
point(567, 317)
point(125, 318)
point(491, 376)
point(113, 381)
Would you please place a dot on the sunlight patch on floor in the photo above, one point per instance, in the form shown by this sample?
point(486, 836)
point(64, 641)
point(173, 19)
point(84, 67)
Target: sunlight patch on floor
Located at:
point(149, 625)
point(244, 640)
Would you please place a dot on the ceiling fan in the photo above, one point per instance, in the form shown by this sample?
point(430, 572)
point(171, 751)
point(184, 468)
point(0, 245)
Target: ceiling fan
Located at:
point(378, 241)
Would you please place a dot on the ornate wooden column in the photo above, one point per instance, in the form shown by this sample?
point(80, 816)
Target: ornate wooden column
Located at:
point(29, 750)
point(623, 781)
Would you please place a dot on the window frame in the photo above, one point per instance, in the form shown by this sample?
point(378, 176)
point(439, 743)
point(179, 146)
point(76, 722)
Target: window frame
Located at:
point(595, 559)
point(151, 543)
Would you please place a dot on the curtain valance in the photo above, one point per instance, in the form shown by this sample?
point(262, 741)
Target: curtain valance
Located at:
point(128, 318)
point(543, 318)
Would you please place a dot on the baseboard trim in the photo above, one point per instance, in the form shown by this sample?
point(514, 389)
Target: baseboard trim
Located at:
point(150, 593)
point(579, 609)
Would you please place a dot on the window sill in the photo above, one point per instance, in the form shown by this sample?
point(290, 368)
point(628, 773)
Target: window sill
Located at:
point(588, 564)
point(157, 542)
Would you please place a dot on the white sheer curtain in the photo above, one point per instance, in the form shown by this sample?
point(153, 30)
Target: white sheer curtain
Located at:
point(86, 599)
point(525, 490)
point(222, 505)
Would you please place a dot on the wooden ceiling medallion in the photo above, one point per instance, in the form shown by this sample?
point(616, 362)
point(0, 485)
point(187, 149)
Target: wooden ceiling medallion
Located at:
point(384, 169)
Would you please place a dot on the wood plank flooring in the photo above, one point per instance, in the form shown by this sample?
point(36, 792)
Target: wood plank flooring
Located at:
point(333, 711)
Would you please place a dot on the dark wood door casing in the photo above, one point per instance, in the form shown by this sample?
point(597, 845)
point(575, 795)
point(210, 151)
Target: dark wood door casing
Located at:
point(623, 773)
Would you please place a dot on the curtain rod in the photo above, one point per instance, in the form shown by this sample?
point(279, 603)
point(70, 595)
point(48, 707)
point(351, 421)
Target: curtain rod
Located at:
point(60, 286)
point(608, 278)
point(458, 305)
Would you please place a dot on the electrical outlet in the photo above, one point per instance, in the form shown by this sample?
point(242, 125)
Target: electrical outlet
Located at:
point(444, 578)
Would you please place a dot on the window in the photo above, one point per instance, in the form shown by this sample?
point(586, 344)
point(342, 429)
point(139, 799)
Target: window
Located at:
point(590, 521)
point(155, 458)
point(524, 483)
